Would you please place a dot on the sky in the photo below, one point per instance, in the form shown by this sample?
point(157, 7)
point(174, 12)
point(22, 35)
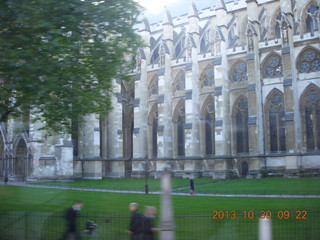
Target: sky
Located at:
point(155, 8)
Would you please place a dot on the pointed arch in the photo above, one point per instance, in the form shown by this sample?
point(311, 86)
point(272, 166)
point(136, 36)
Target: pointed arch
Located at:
point(272, 66)
point(153, 86)
point(240, 125)
point(238, 72)
point(207, 115)
point(207, 76)
point(20, 165)
point(179, 128)
point(275, 125)
point(179, 83)
point(308, 17)
point(310, 117)
point(308, 60)
point(179, 45)
point(153, 123)
point(205, 38)
point(275, 31)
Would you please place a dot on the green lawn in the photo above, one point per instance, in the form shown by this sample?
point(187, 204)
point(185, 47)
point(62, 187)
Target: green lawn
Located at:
point(263, 186)
point(192, 213)
point(133, 184)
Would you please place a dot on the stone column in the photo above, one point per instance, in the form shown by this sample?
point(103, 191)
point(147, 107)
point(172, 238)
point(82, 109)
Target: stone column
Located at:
point(290, 85)
point(115, 135)
point(165, 142)
point(166, 225)
point(255, 118)
point(192, 134)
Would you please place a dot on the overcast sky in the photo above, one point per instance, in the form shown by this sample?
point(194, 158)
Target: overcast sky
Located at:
point(155, 8)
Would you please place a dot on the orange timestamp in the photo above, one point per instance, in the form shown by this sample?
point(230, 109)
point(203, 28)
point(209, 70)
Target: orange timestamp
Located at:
point(281, 214)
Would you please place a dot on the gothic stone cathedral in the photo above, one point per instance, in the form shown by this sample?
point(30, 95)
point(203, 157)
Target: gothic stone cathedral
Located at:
point(232, 90)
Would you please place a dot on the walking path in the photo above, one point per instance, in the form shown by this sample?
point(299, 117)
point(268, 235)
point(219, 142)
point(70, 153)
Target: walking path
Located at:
point(22, 184)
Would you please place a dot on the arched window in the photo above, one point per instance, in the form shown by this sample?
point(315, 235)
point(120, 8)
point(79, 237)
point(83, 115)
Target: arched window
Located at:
point(20, 170)
point(272, 67)
point(241, 125)
point(311, 21)
point(277, 29)
point(180, 45)
point(276, 129)
point(311, 118)
point(207, 77)
point(153, 86)
point(209, 128)
point(309, 61)
point(155, 56)
point(239, 72)
point(205, 42)
point(181, 127)
point(155, 136)
point(180, 82)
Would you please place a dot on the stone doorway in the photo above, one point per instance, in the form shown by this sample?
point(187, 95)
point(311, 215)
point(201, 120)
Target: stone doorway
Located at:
point(244, 169)
point(21, 161)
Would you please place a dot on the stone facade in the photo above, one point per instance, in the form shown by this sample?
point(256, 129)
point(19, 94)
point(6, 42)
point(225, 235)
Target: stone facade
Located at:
point(229, 91)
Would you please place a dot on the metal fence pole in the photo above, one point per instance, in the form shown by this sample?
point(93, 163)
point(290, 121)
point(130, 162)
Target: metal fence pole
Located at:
point(265, 231)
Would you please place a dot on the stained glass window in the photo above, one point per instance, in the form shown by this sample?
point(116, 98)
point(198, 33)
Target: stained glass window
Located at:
point(311, 111)
point(155, 137)
point(311, 24)
point(207, 78)
point(276, 124)
point(181, 136)
point(272, 67)
point(239, 72)
point(309, 61)
point(153, 88)
point(241, 126)
point(180, 84)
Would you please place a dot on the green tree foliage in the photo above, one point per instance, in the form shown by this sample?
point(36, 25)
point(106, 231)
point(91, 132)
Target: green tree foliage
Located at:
point(59, 57)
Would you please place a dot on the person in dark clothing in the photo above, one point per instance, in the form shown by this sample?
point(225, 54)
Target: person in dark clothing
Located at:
point(191, 186)
point(148, 224)
point(71, 217)
point(6, 178)
point(135, 227)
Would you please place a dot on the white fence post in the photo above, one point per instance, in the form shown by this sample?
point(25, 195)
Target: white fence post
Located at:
point(265, 231)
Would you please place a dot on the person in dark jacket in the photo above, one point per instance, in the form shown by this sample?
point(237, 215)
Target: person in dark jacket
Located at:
point(191, 186)
point(135, 227)
point(148, 224)
point(71, 217)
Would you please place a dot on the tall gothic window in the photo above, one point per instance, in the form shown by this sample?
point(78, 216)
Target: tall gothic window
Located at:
point(179, 128)
point(309, 61)
point(239, 72)
point(180, 45)
point(276, 123)
point(209, 129)
point(205, 42)
point(180, 82)
point(155, 136)
point(277, 31)
point(155, 55)
point(272, 67)
point(311, 21)
point(153, 86)
point(311, 118)
point(241, 125)
point(207, 77)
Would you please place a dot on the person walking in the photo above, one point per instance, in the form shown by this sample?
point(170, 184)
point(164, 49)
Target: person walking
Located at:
point(71, 218)
point(148, 223)
point(135, 226)
point(191, 186)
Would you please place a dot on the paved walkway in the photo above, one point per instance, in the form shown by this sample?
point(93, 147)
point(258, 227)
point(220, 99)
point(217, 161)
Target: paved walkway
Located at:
point(22, 184)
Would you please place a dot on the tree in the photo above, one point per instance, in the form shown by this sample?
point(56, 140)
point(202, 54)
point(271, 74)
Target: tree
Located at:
point(59, 57)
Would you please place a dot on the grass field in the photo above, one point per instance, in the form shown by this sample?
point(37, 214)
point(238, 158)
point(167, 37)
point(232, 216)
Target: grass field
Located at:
point(53, 202)
point(206, 185)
